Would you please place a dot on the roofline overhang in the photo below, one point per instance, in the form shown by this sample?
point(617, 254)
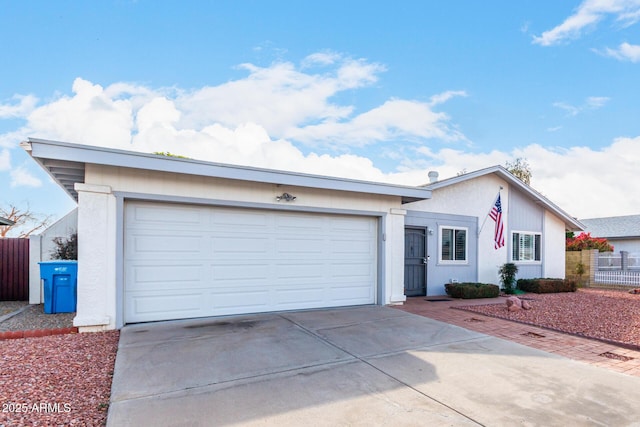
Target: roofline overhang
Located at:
point(6, 222)
point(571, 223)
point(66, 163)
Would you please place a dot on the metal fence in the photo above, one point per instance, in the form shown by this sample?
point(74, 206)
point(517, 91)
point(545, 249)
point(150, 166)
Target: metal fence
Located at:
point(621, 269)
point(623, 278)
point(14, 269)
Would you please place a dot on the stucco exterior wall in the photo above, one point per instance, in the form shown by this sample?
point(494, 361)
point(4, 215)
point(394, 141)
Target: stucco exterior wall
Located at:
point(40, 248)
point(100, 219)
point(553, 247)
point(475, 198)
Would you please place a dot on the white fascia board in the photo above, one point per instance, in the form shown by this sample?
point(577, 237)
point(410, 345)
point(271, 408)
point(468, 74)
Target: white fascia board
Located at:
point(571, 223)
point(45, 149)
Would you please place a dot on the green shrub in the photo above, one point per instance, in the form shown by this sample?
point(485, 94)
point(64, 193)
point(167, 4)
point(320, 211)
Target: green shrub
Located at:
point(546, 286)
point(468, 290)
point(66, 249)
point(507, 274)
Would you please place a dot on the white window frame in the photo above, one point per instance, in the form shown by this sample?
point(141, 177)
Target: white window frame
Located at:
point(533, 234)
point(465, 261)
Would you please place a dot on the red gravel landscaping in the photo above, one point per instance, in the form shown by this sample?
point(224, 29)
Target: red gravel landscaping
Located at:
point(60, 380)
point(608, 315)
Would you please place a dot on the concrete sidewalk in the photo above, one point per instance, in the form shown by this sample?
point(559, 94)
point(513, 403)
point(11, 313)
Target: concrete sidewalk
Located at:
point(353, 366)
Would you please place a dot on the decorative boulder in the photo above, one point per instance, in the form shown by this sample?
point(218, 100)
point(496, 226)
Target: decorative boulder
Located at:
point(526, 305)
point(635, 291)
point(514, 304)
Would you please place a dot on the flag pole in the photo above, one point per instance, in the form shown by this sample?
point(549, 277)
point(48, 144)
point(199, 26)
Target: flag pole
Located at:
point(487, 215)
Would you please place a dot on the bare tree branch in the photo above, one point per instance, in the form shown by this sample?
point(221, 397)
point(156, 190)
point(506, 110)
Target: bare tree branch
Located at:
point(26, 222)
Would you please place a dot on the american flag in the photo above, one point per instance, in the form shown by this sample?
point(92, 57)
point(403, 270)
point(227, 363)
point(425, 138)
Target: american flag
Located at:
point(496, 215)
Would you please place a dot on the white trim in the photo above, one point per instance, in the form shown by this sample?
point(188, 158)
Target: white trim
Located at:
point(570, 222)
point(466, 245)
point(530, 233)
point(75, 157)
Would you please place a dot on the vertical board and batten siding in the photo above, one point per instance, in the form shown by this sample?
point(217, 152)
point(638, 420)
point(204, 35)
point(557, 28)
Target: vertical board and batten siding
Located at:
point(526, 216)
point(14, 269)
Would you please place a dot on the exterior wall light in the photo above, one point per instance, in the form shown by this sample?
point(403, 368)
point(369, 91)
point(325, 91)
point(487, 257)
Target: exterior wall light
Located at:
point(286, 197)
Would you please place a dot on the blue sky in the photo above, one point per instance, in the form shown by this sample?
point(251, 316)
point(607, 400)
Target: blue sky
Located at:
point(382, 91)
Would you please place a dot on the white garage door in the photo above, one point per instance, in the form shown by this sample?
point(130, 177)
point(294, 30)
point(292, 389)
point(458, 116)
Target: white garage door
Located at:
point(184, 261)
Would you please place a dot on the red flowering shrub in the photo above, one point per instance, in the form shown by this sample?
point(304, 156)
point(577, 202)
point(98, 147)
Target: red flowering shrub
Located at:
point(585, 241)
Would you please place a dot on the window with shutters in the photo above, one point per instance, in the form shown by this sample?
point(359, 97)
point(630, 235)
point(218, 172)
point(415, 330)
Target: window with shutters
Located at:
point(526, 247)
point(453, 245)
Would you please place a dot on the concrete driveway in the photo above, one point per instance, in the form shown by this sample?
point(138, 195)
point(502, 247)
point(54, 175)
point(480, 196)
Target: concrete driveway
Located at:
point(353, 366)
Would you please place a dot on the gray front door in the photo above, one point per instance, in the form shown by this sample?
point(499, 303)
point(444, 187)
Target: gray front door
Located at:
point(415, 261)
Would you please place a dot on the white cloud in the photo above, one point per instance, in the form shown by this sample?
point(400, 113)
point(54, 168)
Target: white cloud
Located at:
point(91, 116)
point(445, 96)
point(263, 119)
point(25, 104)
point(5, 160)
point(595, 102)
point(395, 118)
point(21, 177)
point(591, 103)
point(321, 58)
point(588, 183)
point(624, 52)
point(570, 109)
point(587, 15)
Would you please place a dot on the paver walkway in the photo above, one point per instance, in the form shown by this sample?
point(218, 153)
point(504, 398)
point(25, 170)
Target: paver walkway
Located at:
point(581, 349)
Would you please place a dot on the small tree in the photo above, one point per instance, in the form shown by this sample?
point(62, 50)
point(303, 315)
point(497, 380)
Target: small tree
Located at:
point(66, 249)
point(520, 169)
point(579, 271)
point(508, 277)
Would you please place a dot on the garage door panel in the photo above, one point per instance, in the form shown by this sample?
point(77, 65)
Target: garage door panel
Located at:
point(300, 246)
point(145, 276)
point(240, 272)
point(349, 295)
point(230, 246)
point(154, 215)
point(360, 271)
point(355, 248)
point(167, 243)
point(169, 304)
point(303, 297)
point(207, 261)
point(299, 221)
point(232, 219)
point(300, 271)
point(232, 301)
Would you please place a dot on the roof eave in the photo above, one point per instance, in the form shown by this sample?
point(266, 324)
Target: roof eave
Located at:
point(571, 223)
point(50, 154)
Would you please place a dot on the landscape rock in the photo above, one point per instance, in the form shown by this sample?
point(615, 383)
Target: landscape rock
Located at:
point(635, 291)
point(514, 304)
point(526, 305)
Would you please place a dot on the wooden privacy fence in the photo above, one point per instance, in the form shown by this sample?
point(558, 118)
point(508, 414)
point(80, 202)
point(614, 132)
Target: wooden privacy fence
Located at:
point(14, 269)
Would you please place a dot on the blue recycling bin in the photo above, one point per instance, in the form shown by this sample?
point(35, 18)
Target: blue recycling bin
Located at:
point(60, 286)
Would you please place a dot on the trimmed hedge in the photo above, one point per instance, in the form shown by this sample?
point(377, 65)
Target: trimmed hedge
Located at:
point(468, 290)
point(547, 286)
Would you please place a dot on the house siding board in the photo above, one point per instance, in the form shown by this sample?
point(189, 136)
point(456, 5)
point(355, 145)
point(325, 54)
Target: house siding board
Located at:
point(524, 215)
point(438, 274)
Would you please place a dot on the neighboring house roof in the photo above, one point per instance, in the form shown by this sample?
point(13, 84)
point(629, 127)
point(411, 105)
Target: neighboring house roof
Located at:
point(625, 227)
point(571, 223)
point(5, 221)
point(66, 162)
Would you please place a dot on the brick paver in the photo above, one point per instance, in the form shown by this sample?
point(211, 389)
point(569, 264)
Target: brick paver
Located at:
point(585, 350)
